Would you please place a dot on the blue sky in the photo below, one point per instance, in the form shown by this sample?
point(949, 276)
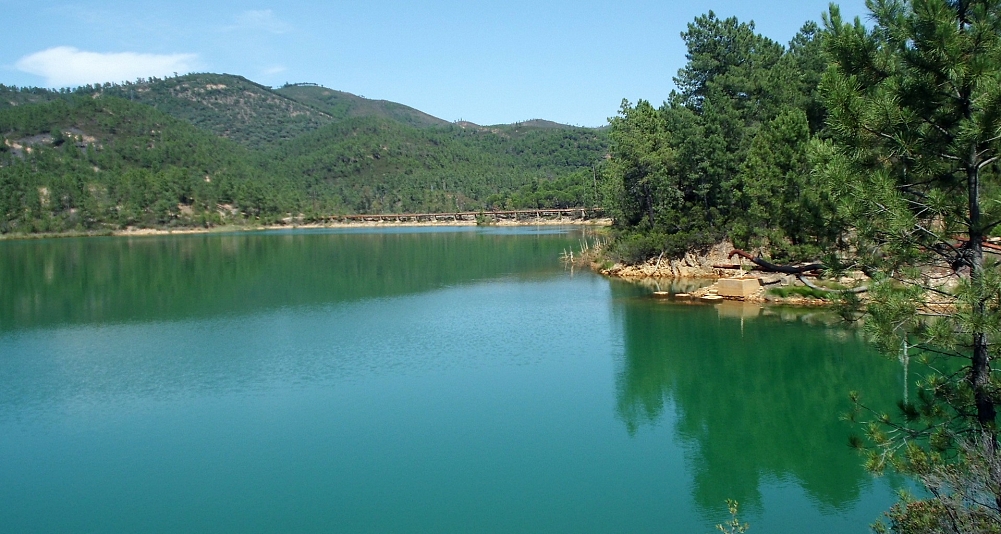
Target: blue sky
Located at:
point(485, 62)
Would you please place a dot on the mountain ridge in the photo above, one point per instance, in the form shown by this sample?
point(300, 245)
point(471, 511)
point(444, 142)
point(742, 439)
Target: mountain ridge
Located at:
point(225, 105)
point(219, 149)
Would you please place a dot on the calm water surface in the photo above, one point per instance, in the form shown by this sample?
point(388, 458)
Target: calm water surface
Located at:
point(447, 380)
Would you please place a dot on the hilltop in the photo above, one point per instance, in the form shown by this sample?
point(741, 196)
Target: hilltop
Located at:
point(228, 106)
point(341, 105)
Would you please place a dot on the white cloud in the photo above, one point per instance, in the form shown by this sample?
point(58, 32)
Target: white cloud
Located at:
point(276, 69)
point(260, 20)
point(65, 66)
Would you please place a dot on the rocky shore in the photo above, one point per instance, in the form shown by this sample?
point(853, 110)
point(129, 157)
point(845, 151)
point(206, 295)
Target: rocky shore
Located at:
point(730, 279)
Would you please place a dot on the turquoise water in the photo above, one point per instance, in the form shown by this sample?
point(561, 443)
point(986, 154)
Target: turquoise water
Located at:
point(445, 380)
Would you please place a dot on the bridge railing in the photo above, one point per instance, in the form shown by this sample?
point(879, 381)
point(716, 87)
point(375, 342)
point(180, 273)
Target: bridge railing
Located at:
point(571, 213)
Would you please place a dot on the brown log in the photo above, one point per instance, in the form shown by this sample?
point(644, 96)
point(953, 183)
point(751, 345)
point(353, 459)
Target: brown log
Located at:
point(986, 244)
point(771, 267)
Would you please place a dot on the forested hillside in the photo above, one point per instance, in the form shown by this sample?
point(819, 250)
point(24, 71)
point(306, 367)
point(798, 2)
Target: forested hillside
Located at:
point(340, 105)
point(209, 149)
point(18, 96)
point(84, 163)
point(378, 165)
point(228, 106)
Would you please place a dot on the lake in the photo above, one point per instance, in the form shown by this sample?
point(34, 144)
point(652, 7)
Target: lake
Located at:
point(410, 380)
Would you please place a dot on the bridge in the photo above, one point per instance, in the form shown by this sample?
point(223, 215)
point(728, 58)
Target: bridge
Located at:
point(510, 215)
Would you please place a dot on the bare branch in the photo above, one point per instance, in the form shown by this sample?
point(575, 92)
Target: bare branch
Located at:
point(986, 162)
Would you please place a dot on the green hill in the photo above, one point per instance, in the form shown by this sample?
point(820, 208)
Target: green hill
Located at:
point(341, 105)
point(19, 96)
point(226, 105)
point(536, 123)
point(92, 162)
point(378, 165)
point(207, 149)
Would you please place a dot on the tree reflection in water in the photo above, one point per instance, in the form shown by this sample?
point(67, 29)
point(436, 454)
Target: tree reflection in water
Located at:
point(756, 394)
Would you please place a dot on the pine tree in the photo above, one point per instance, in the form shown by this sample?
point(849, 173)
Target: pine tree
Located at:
point(915, 115)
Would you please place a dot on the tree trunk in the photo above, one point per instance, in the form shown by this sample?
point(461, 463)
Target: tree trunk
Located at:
point(980, 368)
point(649, 203)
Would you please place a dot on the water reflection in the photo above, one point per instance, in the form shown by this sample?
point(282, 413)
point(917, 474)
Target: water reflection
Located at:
point(102, 280)
point(270, 375)
point(672, 285)
point(753, 397)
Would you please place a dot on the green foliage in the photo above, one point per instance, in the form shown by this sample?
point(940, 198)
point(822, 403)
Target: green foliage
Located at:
point(729, 156)
point(964, 495)
point(784, 205)
point(642, 160)
point(483, 220)
point(19, 96)
point(340, 105)
point(573, 189)
point(914, 115)
point(87, 163)
point(372, 165)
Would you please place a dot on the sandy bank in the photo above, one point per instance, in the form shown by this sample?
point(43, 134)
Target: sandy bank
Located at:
point(566, 221)
point(365, 224)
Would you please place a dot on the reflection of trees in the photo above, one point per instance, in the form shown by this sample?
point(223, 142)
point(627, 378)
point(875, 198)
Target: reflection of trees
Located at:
point(755, 401)
point(117, 279)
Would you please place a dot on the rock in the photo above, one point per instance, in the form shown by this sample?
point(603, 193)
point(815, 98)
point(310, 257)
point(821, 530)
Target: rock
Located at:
point(769, 279)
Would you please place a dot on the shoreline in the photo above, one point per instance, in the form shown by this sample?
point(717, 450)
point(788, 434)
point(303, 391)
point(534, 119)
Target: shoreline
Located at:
point(140, 232)
point(709, 292)
point(715, 265)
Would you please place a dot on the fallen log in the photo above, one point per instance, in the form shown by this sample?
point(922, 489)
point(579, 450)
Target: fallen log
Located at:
point(771, 267)
point(811, 285)
point(988, 246)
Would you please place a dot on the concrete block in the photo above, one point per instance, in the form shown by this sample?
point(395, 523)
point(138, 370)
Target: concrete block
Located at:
point(737, 287)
